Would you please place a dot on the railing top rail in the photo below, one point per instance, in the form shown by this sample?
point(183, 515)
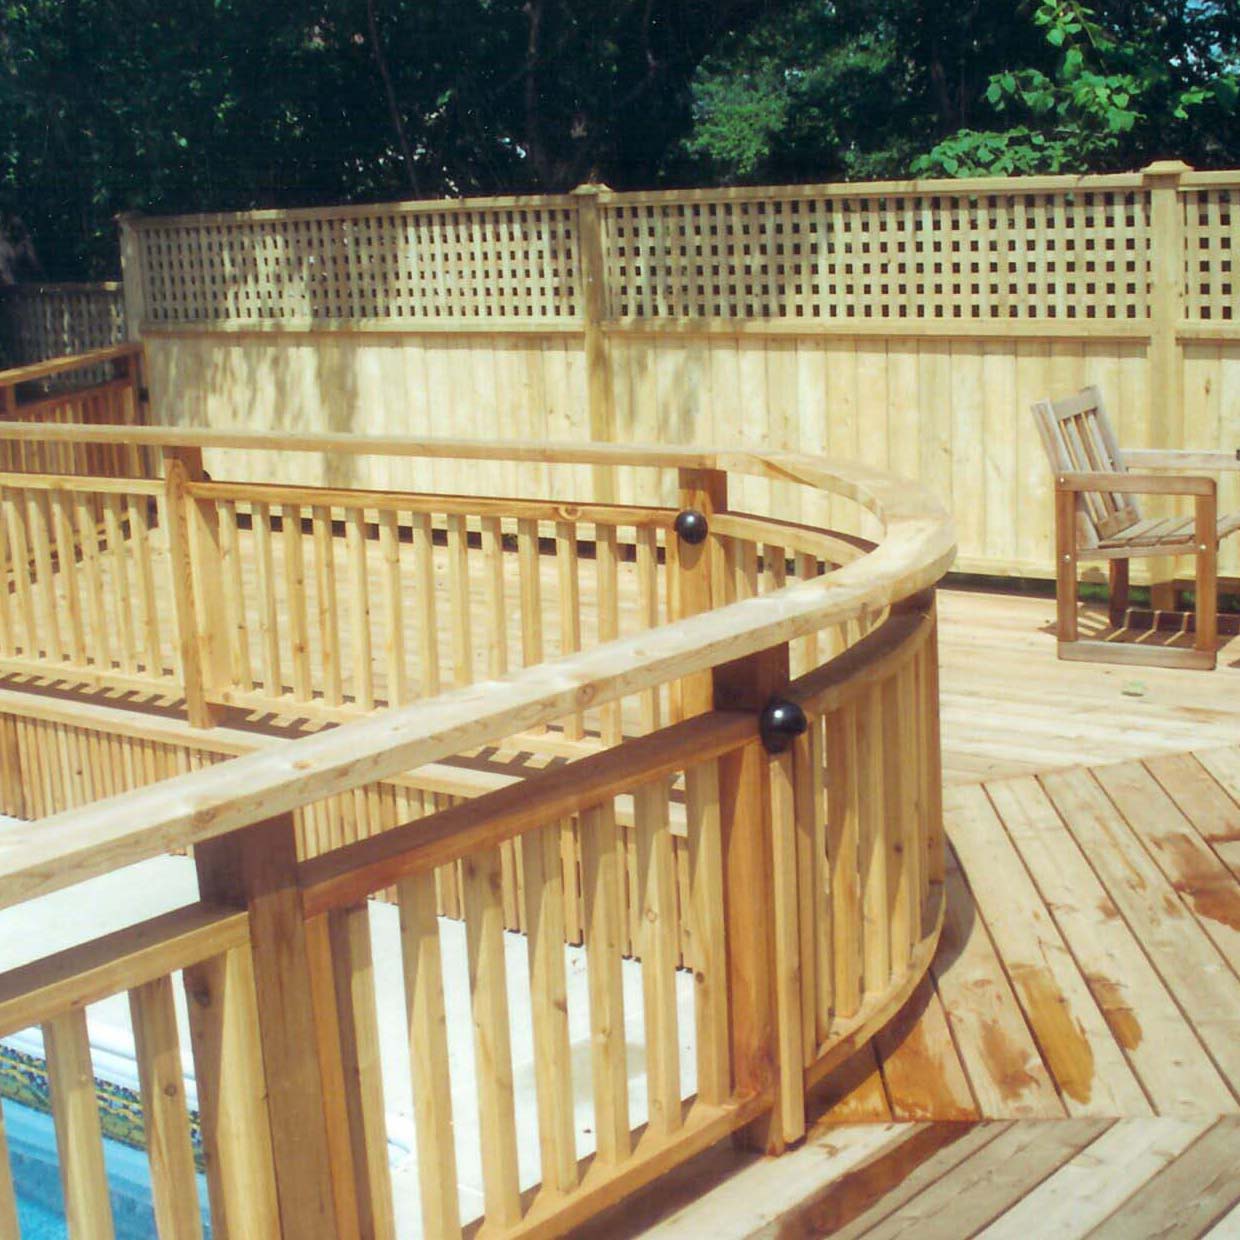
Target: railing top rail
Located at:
point(60, 365)
point(835, 189)
point(916, 548)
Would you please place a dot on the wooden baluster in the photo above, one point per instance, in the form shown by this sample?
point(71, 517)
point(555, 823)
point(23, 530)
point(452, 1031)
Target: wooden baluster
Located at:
point(804, 655)
point(96, 606)
point(118, 557)
point(458, 596)
point(897, 826)
point(268, 605)
point(66, 559)
point(497, 608)
point(528, 564)
point(424, 599)
point(935, 848)
point(165, 1115)
point(484, 934)
point(428, 1055)
point(232, 583)
point(816, 923)
point(872, 843)
point(785, 911)
point(912, 797)
point(144, 578)
point(228, 1069)
point(648, 612)
point(357, 1026)
point(325, 599)
point(8, 1197)
point(193, 674)
point(19, 559)
point(39, 525)
point(257, 867)
point(568, 569)
point(79, 1140)
point(603, 871)
point(363, 678)
point(544, 920)
point(607, 571)
point(708, 931)
point(774, 567)
point(395, 671)
point(843, 832)
point(658, 950)
point(295, 594)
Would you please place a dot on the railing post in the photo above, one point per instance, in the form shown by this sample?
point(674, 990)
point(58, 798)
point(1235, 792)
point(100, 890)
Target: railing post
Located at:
point(133, 293)
point(1166, 362)
point(256, 868)
point(704, 492)
point(758, 1015)
point(194, 551)
point(599, 397)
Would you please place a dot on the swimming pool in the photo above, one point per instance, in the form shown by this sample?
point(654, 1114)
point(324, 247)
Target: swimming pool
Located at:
point(40, 1202)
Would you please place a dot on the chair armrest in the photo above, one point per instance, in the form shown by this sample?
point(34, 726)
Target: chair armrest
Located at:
point(1135, 484)
point(1182, 458)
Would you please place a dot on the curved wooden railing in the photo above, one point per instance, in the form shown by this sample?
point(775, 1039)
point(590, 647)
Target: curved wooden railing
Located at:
point(797, 874)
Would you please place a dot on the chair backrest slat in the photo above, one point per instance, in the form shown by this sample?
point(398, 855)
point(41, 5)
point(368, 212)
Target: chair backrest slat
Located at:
point(1077, 436)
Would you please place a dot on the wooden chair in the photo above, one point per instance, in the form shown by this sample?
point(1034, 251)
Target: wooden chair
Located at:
point(1097, 517)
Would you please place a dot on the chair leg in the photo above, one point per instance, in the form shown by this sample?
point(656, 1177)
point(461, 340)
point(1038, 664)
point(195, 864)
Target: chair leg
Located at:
point(1065, 565)
point(1118, 598)
point(1205, 532)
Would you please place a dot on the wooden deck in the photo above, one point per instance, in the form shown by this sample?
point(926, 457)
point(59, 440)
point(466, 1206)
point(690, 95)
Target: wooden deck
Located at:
point(1072, 1065)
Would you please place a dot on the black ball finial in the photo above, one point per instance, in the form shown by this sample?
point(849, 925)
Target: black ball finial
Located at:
point(691, 526)
point(779, 723)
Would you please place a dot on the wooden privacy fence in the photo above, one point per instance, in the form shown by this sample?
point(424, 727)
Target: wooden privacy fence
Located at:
point(907, 324)
point(39, 322)
point(797, 870)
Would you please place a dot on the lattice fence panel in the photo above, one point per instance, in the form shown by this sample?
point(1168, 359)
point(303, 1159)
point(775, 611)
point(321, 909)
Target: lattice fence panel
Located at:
point(42, 321)
point(1075, 255)
point(1211, 250)
point(506, 262)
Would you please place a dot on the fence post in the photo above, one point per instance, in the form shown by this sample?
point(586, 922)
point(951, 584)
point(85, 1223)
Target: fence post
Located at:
point(133, 294)
point(1166, 362)
point(194, 551)
point(748, 796)
point(599, 399)
point(256, 868)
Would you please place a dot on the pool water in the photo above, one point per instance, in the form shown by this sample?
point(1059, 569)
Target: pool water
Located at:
point(40, 1202)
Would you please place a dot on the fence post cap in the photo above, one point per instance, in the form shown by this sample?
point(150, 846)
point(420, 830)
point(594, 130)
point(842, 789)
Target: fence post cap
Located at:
point(1166, 168)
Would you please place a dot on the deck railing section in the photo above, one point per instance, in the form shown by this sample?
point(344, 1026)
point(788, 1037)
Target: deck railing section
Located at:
point(104, 387)
point(805, 894)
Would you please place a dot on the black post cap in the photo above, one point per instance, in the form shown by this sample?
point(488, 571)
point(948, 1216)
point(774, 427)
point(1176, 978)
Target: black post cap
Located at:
point(691, 526)
point(779, 723)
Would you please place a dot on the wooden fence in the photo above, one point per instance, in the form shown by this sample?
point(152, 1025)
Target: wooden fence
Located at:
point(39, 322)
point(908, 325)
point(798, 870)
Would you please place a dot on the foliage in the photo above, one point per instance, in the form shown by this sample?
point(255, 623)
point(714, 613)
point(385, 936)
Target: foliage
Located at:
point(1110, 99)
point(209, 105)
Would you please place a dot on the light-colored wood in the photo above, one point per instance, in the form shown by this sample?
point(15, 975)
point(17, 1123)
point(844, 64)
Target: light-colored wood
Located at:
point(140, 954)
point(843, 834)
point(359, 601)
point(484, 929)
point(458, 593)
point(543, 887)
point(295, 595)
point(259, 869)
point(602, 863)
point(165, 1116)
point(236, 1138)
point(326, 605)
point(79, 1141)
point(425, 622)
point(8, 1197)
point(358, 1031)
point(428, 1052)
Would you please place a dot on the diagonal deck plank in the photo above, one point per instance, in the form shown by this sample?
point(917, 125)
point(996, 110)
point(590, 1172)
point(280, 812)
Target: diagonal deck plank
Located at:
point(1084, 1059)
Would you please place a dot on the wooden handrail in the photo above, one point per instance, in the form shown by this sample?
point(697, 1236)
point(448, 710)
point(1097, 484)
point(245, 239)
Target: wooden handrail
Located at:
point(915, 550)
point(61, 365)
